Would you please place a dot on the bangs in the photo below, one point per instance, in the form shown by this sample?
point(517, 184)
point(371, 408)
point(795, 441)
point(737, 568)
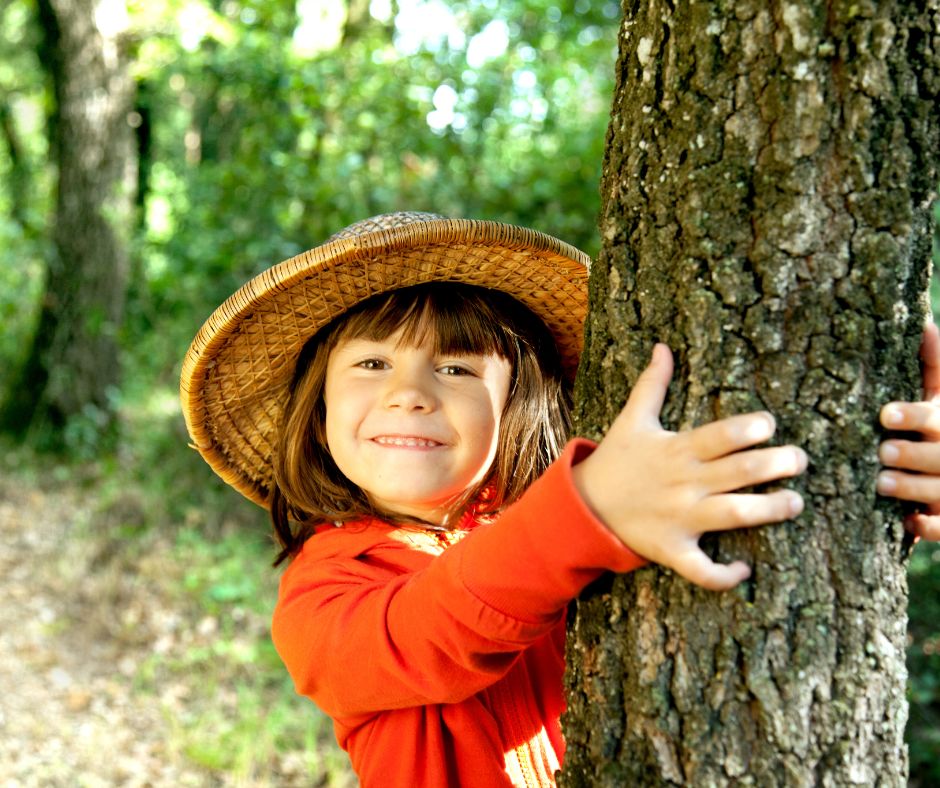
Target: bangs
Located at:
point(451, 318)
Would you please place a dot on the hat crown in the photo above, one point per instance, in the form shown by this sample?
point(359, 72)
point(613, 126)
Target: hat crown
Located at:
point(384, 221)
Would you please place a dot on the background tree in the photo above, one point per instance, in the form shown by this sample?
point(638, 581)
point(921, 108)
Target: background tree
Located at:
point(71, 373)
point(766, 193)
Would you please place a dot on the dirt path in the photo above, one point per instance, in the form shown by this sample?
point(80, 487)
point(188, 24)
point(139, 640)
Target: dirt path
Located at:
point(67, 714)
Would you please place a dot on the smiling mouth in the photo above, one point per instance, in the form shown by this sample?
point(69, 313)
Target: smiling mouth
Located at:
point(408, 442)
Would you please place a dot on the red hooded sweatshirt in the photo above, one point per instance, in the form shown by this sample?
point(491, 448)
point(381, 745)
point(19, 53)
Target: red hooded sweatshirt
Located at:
point(440, 657)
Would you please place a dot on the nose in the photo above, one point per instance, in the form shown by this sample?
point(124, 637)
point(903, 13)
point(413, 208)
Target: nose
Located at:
point(408, 391)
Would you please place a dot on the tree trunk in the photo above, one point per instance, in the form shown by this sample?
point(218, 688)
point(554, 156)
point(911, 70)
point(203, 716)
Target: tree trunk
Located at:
point(767, 183)
point(72, 367)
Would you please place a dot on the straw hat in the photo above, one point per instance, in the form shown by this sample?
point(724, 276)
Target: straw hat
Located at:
point(236, 375)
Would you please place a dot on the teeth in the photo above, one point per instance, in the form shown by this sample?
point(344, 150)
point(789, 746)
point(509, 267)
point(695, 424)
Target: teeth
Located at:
point(387, 440)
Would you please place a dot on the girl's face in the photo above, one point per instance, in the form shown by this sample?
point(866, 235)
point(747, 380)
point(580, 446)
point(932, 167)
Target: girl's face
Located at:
point(413, 428)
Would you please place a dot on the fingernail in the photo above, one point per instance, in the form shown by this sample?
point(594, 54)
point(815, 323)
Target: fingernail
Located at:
point(889, 452)
point(796, 504)
point(760, 429)
point(886, 483)
point(660, 351)
point(802, 460)
point(891, 416)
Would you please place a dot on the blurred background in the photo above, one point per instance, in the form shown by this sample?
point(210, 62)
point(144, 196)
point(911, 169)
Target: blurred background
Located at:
point(154, 155)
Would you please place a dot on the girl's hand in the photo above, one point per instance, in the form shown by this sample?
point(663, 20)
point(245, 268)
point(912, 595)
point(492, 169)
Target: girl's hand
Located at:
point(915, 474)
point(659, 491)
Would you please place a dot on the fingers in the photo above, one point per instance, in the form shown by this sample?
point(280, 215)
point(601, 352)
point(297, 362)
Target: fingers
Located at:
point(913, 467)
point(649, 392)
point(720, 513)
point(698, 568)
point(930, 361)
point(745, 510)
point(909, 487)
point(911, 456)
point(924, 526)
point(923, 417)
point(747, 468)
point(732, 434)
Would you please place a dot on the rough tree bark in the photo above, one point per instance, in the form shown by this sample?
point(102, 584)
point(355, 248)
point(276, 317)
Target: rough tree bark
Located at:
point(767, 183)
point(73, 364)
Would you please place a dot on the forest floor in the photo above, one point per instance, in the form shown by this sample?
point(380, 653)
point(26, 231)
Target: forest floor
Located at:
point(67, 715)
point(84, 624)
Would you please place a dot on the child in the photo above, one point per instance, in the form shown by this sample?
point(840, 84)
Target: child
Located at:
point(399, 398)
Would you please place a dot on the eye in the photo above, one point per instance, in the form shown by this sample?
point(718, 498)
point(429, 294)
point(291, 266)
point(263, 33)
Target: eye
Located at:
point(455, 370)
point(372, 363)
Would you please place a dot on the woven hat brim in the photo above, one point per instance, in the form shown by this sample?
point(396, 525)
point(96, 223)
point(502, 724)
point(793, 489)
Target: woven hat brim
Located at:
point(236, 376)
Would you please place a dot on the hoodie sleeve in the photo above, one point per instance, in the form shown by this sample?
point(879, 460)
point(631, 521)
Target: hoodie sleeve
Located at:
point(365, 624)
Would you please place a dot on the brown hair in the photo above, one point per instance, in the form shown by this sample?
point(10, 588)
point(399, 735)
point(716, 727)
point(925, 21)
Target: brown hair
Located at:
point(308, 487)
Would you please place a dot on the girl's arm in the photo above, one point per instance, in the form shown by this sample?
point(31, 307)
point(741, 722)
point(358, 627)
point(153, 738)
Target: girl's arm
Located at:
point(364, 624)
point(914, 473)
point(659, 491)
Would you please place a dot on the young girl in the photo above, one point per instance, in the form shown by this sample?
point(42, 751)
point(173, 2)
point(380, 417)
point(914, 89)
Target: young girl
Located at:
point(399, 398)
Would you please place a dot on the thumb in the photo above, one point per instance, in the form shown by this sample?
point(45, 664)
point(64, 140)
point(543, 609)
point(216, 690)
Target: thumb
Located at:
point(649, 392)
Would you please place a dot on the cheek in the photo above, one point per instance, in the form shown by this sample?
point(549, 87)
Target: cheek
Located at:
point(339, 442)
point(346, 411)
point(485, 424)
point(329, 433)
point(335, 421)
point(329, 417)
point(499, 398)
point(499, 390)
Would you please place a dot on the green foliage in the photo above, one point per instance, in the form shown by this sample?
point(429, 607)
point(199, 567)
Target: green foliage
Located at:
point(24, 185)
point(21, 281)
